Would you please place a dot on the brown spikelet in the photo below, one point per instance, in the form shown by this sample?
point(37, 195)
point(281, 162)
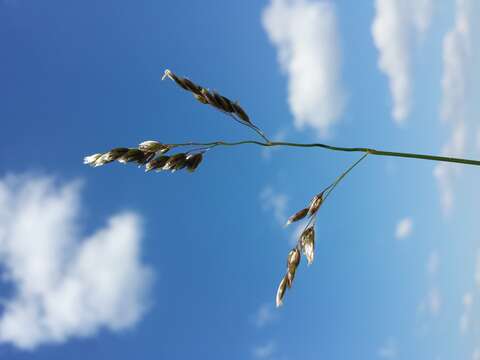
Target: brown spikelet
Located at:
point(175, 162)
point(315, 204)
point(299, 215)
point(132, 155)
point(157, 163)
point(240, 112)
point(193, 161)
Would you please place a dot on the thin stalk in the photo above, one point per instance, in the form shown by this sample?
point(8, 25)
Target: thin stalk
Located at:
point(340, 178)
point(339, 148)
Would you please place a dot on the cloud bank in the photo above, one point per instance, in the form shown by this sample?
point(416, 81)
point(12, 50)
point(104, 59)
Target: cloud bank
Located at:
point(65, 285)
point(305, 34)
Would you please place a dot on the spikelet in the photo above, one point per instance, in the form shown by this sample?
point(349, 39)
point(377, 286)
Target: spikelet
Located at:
point(281, 292)
point(315, 204)
point(299, 215)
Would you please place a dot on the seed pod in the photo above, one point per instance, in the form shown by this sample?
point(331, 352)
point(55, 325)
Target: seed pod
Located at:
point(299, 215)
point(193, 161)
point(157, 163)
point(307, 243)
point(281, 291)
point(315, 204)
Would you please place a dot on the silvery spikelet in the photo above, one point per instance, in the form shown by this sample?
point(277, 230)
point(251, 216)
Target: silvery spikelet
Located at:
point(293, 260)
point(307, 243)
point(153, 146)
point(91, 159)
point(281, 291)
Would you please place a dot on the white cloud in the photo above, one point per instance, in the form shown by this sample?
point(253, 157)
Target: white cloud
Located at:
point(394, 27)
point(264, 315)
point(434, 301)
point(276, 202)
point(306, 37)
point(458, 60)
point(404, 228)
point(388, 350)
point(65, 285)
point(264, 351)
point(466, 315)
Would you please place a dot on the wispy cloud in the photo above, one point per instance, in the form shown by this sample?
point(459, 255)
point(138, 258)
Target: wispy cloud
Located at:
point(264, 351)
point(264, 315)
point(404, 228)
point(432, 302)
point(272, 200)
point(388, 350)
point(65, 285)
point(305, 33)
point(394, 27)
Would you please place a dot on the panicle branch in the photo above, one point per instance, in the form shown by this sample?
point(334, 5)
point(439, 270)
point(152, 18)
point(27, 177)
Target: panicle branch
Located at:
point(152, 155)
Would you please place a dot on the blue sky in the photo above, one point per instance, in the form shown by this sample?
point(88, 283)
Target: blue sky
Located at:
point(115, 263)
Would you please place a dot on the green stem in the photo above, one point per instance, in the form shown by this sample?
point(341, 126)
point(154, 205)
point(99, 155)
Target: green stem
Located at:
point(338, 148)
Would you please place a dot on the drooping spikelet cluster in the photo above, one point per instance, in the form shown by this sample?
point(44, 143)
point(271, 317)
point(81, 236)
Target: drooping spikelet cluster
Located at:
point(305, 244)
point(206, 96)
point(149, 154)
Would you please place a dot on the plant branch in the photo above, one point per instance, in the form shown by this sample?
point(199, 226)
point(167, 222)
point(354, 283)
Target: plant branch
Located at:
point(338, 148)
